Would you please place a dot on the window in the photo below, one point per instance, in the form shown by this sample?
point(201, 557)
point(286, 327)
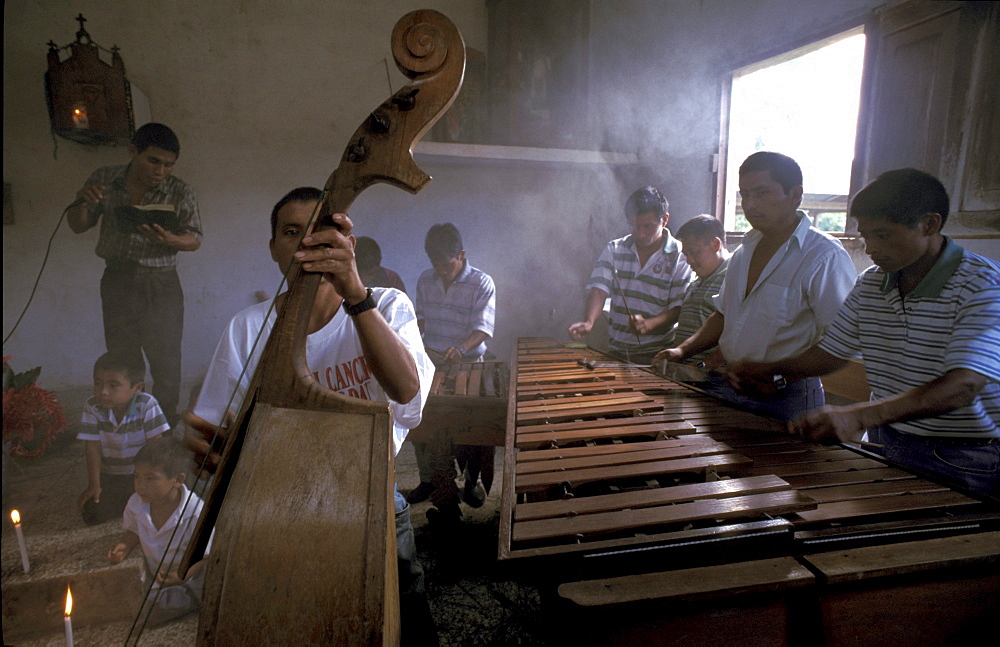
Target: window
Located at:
point(804, 104)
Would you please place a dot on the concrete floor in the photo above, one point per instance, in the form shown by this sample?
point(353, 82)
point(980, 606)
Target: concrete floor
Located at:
point(474, 599)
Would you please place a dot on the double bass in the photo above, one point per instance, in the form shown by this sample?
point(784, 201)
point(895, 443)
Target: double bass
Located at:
point(304, 549)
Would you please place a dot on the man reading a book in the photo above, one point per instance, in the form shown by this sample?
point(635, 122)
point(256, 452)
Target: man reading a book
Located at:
point(147, 215)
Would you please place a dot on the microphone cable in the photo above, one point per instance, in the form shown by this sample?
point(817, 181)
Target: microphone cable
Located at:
point(45, 260)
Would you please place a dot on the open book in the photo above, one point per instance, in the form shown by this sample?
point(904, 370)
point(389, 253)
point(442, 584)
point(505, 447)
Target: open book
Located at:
point(130, 217)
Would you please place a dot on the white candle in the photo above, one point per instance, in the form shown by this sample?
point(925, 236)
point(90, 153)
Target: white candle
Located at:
point(15, 516)
point(67, 618)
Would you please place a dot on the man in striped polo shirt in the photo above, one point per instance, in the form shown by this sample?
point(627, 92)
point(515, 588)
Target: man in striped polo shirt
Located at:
point(926, 321)
point(645, 275)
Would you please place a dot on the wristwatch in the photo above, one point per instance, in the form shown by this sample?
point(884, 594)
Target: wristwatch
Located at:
point(366, 304)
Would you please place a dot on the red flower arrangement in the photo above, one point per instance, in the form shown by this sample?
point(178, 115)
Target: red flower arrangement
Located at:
point(32, 416)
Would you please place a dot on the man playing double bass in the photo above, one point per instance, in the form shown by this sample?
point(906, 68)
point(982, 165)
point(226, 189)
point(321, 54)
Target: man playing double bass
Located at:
point(362, 342)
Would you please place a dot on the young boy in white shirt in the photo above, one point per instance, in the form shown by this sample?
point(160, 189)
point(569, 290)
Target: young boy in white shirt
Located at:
point(160, 518)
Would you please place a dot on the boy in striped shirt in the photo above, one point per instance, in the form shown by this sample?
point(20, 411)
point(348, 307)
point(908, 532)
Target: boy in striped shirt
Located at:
point(117, 421)
point(926, 321)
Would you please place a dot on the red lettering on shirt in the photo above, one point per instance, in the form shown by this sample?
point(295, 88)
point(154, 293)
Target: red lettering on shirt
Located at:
point(349, 373)
point(362, 370)
point(341, 383)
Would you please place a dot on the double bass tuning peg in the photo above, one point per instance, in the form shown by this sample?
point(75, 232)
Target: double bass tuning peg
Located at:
point(378, 122)
point(407, 100)
point(357, 152)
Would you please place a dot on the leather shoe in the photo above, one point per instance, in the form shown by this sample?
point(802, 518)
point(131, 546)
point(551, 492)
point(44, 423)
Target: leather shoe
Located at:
point(474, 494)
point(420, 493)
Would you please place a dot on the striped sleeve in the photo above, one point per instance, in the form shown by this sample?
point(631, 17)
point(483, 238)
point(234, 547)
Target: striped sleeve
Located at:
point(483, 310)
point(154, 422)
point(843, 336)
point(976, 330)
point(603, 275)
point(88, 423)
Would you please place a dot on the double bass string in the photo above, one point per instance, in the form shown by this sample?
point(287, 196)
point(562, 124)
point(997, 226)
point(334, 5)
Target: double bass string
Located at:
point(201, 484)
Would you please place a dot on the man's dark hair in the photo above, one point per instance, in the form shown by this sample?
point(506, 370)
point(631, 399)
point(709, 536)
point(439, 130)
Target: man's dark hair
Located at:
point(166, 455)
point(648, 199)
point(367, 253)
point(443, 242)
point(784, 170)
point(158, 135)
point(704, 228)
point(903, 196)
point(301, 194)
point(130, 363)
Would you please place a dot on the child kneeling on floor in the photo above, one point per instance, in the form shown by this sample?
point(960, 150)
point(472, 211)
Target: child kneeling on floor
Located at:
point(116, 423)
point(161, 504)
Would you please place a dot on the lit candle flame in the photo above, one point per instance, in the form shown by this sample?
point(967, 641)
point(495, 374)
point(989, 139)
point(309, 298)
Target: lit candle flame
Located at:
point(15, 516)
point(69, 602)
point(77, 111)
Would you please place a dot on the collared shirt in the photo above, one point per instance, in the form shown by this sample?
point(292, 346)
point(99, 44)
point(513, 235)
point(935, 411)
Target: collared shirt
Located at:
point(164, 543)
point(795, 297)
point(699, 304)
point(122, 439)
point(114, 244)
point(950, 320)
point(450, 316)
point(647, 290)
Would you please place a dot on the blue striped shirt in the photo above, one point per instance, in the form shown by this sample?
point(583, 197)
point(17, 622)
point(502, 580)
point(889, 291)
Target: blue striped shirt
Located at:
point(122, 439)
point(646, 290)
point(950, 320)
point(449, 316)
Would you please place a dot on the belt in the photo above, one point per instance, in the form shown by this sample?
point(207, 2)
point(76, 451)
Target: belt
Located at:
point(966, 441)
point(119, 265)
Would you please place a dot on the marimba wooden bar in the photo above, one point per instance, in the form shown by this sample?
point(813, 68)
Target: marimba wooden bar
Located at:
point(467, 404)
point(688, 513)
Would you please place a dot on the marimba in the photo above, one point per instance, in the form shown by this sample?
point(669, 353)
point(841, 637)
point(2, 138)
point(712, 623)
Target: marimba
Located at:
point(666, 515)
point(467, 404)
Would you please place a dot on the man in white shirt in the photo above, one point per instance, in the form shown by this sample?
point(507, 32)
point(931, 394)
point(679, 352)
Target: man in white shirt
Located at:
point(783, 288)
point(362, 342)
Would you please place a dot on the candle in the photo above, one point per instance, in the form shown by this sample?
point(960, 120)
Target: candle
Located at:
point(80, 119)
point(15, 516)
point(67, 619)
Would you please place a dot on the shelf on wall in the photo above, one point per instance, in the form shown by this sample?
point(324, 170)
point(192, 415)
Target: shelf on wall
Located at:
point(489, 155)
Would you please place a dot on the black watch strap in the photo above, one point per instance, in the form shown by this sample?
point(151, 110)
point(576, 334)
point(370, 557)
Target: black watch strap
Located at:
point(367, 304)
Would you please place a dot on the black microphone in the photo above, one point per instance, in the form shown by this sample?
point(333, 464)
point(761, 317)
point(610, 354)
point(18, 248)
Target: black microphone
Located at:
point(98, 210)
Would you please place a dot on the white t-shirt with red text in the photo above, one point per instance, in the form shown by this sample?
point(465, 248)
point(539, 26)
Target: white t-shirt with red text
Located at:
point(333, 354)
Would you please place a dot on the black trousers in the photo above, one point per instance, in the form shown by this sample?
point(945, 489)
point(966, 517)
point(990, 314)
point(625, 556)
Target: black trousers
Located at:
point(144, 310)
